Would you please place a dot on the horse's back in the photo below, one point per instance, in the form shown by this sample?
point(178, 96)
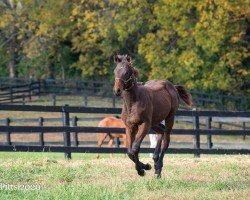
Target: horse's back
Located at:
point(161, 87)
point(156, 85)
point(164, 98)
point(111, 122)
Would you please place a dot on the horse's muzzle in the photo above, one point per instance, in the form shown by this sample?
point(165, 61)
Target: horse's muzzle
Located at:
point(117, 92)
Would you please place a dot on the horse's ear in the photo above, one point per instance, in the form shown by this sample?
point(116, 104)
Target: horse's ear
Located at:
point(128, 58)
point(136, 71)
point(117, 59)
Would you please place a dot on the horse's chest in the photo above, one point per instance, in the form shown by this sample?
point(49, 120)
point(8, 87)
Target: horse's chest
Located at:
point(135, 116)
point(133, 119)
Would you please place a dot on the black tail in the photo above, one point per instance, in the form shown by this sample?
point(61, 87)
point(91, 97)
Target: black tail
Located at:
point(184, 94)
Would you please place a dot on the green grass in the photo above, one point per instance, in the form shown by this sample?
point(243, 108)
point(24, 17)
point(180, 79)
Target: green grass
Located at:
point(61, 100)
point(84, 177)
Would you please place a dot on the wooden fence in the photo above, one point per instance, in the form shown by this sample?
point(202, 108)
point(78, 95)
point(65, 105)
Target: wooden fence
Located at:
point(218, 123)
point(98, 88)
point(66, 129)
point(19, 93)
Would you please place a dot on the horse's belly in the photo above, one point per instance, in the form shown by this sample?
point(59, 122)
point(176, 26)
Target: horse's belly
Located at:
point(161, 106)
point(117, 135)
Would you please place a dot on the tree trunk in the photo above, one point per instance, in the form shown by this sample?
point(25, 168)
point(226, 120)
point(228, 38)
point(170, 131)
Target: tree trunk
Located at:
point(51, 68)
point(63, 71)
point(12, 54)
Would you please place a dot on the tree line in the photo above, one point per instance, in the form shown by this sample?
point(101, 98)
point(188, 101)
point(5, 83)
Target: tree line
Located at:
point(202, 44)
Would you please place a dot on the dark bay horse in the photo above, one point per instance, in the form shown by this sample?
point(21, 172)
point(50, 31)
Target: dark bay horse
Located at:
point(145, 107)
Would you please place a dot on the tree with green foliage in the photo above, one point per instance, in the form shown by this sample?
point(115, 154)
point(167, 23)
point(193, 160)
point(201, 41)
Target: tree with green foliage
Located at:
point(50, 38)
point(11, 20)
point(202, 44)
point(199, 43)
point(33, 38)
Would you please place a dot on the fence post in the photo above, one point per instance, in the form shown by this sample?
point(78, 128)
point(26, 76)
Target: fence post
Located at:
point(219, 125)
point(117, 142)
point(209, 136)
point(8, 139)
point(223, 102)
point(41, 134)
point(39, 87)
point(75, 134)
point(197, 135)
point(11, 94)
point(66, 135)
point(23, 100)
point(113, 101)
point(30, 89)
point(244, 128)
point(85, 100)
point(45, 85)
point(203, 100)
point(54, 99)
point(77, 85)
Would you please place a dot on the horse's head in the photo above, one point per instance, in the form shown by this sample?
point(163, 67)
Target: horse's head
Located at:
point(125, 74)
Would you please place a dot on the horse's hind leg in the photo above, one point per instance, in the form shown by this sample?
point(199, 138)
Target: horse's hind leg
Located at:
point(159, 130)
point(164, 146)
point(101, 138)
point(110, 144)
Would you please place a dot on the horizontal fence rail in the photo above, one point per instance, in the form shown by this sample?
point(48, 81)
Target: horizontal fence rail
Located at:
point(90, 143)
point(79, 109)
point(74, 130)
point(35, 87)
point(231, 121)
point(18, 93)
point(118, 150)
point(59, 129)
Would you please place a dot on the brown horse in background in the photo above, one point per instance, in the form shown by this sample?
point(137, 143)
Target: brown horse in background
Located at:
point(110, 122)
point(144, 107)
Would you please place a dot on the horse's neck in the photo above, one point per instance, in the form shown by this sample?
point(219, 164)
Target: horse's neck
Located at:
point(130, 97)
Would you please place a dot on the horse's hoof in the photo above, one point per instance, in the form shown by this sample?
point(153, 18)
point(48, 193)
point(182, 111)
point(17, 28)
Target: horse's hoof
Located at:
point(147, 167)
point(158, 173)
point(141, 173)
point(157, 176)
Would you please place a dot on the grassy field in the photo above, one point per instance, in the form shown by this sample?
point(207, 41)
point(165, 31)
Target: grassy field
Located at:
point(84, 177)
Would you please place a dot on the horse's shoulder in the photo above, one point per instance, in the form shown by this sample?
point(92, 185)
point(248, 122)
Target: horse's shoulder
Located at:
point(144, 94)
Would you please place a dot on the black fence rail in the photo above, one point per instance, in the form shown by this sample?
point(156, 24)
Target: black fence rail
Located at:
point(83, 99)
point(218, 123)
point(75, 130)
point(219, 101)
point(101, 89)
point(97, 88)
point(19, 93)
point(52, 86)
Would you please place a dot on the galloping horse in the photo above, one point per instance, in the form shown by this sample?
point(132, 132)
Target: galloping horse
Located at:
point(111, 122)
point(144, 107)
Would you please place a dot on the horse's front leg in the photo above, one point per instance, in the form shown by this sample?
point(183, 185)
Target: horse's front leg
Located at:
point(139, 166)
point(164, 146)
point(130, 137)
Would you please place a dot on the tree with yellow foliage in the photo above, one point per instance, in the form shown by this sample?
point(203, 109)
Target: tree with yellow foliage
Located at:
point(202, 44)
